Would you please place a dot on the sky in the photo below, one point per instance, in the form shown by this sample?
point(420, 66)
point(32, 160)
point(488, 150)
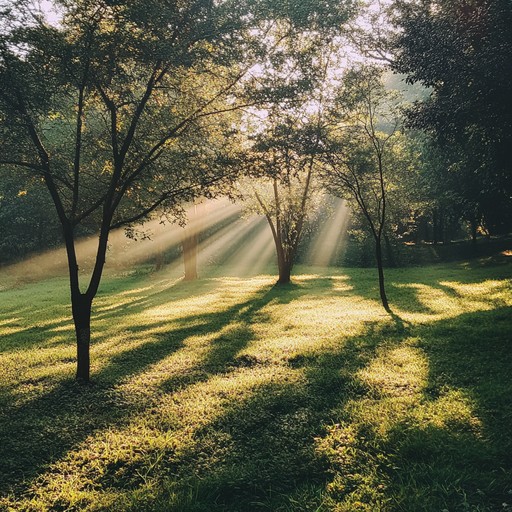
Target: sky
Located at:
point(48, 7)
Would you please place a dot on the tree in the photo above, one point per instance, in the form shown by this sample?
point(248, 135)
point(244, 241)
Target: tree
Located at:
point(288, 194)
point(99, 107)
point(362, 150)
point(283, 155)
point(284, 140)
point(96, 108)
point(190, 241)
point(462, 50)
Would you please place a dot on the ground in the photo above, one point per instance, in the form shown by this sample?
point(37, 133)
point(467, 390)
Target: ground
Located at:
point(232, 394)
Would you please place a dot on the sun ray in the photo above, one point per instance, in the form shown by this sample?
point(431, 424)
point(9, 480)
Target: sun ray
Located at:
point(324, 247)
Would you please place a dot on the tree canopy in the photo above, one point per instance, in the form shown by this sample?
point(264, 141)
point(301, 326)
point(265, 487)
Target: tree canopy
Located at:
point(463, 52)
point(109, 107)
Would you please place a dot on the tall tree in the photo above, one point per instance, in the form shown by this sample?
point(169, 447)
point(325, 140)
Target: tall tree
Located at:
point(288, 193)
point(362, 150)
point(97, 107)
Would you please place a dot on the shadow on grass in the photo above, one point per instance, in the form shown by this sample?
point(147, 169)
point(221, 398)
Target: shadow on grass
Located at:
point(43, 429)
point(261, 452)
point(222, 350)
point(460, 464)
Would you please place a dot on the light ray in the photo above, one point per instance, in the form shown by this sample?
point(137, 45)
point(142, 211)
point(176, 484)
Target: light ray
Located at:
point(256, 253)
point(323, 249)
point(216, 250)
point(123, 251)
point(164, 236)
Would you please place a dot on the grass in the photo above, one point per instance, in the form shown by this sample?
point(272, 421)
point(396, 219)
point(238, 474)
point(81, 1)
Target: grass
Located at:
point(230, 394)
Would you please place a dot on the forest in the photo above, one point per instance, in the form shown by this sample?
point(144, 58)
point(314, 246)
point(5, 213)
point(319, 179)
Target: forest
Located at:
point(255, 255)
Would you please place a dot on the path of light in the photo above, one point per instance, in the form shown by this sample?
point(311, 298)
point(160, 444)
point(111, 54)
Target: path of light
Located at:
point(322, 251)
point(163, 236)
point(256, 253)
point(122, 250)
point(218, 248)
point(242, 246)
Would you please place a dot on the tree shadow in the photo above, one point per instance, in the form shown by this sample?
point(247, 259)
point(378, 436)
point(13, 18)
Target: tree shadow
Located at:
point(411, 297)
point(48, 426)
point(221, 350)
point(223, 354)
point(262, 452)
point(462, 462)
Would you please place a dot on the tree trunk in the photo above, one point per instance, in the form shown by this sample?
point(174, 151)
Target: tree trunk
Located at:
point(159, 258)
point(284, 263)
point(81, 303)
point(435, 226)
point(380, 267)
point(442, 227)
point(474, 230)
point(81, 306)
point(285, 270)
point(389, 252)
point(190, 256)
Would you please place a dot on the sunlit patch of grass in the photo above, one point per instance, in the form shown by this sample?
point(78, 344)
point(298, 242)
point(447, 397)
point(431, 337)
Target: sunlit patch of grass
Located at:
point(395, 371)
point(232, 394)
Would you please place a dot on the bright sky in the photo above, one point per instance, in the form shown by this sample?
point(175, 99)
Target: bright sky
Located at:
point(53, 16)
point(50, 11)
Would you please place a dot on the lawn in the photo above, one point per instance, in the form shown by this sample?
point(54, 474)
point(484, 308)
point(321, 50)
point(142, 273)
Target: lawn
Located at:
point(230, 394)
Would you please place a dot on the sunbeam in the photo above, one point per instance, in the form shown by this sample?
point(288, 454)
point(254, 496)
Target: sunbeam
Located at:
point(323, 249)
point(124, 251)
point(243, 246)
point(218, 248)
point(255, 254)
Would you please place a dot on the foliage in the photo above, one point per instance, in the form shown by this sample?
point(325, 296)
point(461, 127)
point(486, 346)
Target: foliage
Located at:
point(463, 52)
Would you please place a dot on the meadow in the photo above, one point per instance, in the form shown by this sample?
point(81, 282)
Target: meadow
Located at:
point(232, 394)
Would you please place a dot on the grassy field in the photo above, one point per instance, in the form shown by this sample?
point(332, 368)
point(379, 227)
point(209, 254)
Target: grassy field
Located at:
point(229, 394)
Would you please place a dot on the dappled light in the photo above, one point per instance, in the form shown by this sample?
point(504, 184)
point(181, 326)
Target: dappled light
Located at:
point(189, 368)
point(436, 302)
